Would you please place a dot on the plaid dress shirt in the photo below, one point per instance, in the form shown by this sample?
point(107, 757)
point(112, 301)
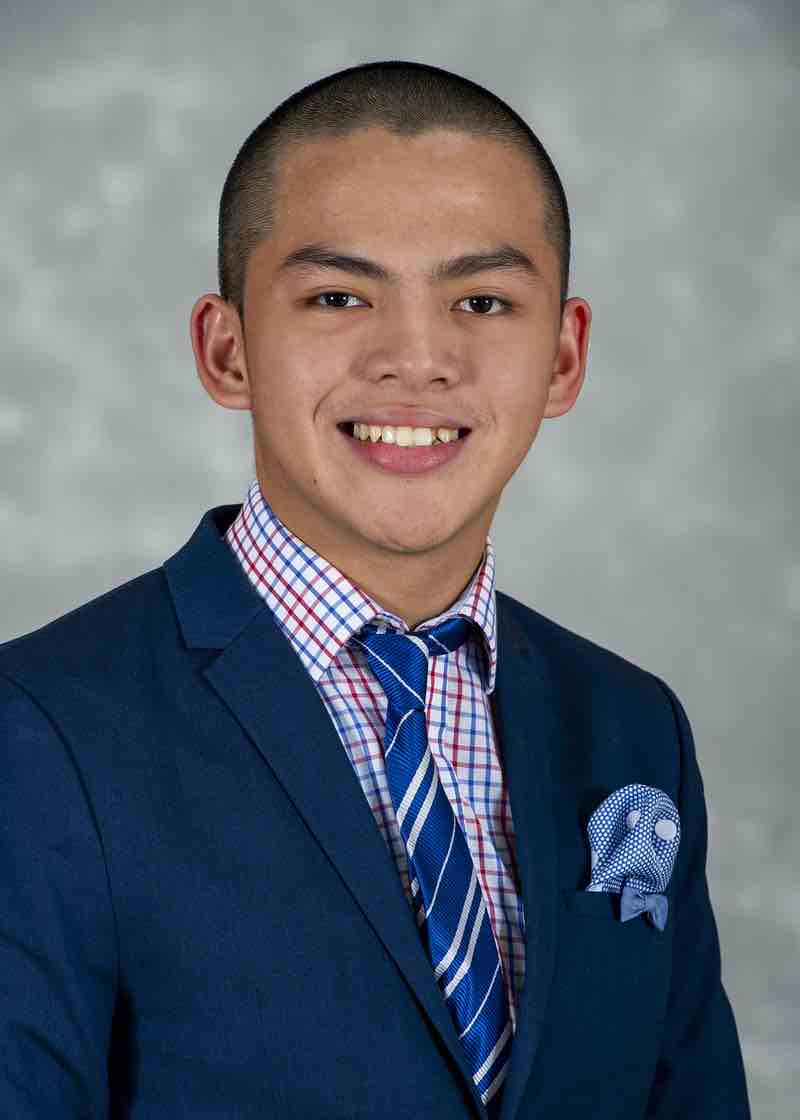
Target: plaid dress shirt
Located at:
point(319, 610)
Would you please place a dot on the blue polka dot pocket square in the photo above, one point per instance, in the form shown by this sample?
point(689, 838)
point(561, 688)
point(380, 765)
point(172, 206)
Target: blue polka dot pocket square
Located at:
point(634, 836)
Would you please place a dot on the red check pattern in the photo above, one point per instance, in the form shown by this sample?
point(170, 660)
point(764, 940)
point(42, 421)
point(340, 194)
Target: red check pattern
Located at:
point(319, 610)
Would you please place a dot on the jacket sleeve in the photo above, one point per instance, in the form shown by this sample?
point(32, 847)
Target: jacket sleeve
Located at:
point(58, 957)
point(699, 1071)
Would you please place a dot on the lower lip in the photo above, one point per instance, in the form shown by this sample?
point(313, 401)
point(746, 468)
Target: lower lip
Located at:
point(406, 460)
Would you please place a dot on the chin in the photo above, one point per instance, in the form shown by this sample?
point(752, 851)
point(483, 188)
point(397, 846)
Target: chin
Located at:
point(412, 539)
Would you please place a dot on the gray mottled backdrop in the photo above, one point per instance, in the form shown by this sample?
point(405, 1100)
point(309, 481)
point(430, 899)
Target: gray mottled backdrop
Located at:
point(654, 518)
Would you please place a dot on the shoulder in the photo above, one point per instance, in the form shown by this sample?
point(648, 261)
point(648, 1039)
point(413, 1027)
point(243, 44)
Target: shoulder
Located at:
point(601, 693)
point(106, 635)
point(574, 658)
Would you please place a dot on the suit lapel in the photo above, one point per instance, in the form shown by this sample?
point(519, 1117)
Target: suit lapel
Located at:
point(266, 687)
point(528, 737)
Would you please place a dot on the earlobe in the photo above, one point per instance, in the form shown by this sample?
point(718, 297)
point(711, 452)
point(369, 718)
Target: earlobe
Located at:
point(216, 335)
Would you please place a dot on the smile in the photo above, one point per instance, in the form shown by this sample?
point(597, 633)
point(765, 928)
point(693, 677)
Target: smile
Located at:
point(402, 436)
point(406, 457)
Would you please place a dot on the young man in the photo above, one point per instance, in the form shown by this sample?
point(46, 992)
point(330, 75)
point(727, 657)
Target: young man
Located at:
point(312, 821)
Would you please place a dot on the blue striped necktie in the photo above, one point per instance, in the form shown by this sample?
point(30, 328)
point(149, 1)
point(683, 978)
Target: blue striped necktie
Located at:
point(449, 906)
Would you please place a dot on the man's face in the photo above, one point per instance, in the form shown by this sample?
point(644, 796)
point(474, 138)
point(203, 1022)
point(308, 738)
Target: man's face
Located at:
point(314, 361)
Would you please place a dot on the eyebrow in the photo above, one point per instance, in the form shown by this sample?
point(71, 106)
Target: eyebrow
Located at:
point(502, 257)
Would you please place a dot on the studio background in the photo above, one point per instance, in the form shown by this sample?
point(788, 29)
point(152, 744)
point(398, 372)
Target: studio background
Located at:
point(653, 518)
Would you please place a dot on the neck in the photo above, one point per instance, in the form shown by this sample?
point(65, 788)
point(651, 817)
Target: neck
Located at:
point(415, 586)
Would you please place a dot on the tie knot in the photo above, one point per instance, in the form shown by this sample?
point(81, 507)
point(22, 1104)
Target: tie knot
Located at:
point(400, 661)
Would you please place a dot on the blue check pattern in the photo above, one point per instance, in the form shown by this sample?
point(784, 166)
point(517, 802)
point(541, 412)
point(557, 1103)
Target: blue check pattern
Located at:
point(449, 906)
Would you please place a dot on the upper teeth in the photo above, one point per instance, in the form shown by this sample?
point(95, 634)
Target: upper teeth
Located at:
point(404, 437)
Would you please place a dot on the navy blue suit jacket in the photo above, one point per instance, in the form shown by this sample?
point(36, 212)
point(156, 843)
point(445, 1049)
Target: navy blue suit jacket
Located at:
point(199, 917)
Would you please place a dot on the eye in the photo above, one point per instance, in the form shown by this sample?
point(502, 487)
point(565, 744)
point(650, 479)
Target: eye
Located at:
point(483, 299)
point(335, 295)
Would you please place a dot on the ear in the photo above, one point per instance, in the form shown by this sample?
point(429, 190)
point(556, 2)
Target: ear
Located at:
point(569, 368)
point(219, 354)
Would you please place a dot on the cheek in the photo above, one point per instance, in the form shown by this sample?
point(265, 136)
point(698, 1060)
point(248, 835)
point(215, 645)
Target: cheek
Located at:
point(284, 385)
point(520, 400)
point(523, 420)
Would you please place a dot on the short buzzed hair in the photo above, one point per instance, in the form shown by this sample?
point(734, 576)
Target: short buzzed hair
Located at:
point(407, 98)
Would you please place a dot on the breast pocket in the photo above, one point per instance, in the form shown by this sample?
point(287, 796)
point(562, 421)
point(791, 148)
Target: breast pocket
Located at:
point(592, 932)
point(591, 904)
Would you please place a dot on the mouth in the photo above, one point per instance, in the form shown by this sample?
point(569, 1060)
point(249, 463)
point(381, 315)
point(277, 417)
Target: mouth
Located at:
point(348, 426)
point(397, 459)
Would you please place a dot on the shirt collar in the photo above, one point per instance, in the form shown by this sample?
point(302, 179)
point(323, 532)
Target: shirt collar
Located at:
point(319, 608)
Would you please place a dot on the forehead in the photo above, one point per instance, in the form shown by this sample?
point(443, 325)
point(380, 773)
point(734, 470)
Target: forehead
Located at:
point(438, 182)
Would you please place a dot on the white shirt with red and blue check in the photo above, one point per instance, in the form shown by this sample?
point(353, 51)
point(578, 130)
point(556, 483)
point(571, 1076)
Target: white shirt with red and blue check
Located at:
point(319, 610)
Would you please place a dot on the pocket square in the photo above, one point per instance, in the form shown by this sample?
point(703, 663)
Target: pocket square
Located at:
point(634, 836)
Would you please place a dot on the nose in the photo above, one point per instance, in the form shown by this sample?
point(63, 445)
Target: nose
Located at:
point(413, 344)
